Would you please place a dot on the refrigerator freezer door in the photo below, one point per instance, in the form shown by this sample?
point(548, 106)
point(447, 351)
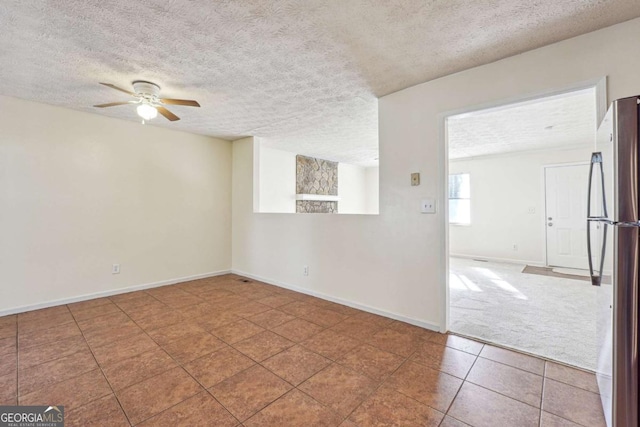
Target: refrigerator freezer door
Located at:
point(625, 159)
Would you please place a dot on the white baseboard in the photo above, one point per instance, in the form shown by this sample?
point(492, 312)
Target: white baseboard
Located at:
point(504, 260)
point(110, 292)
point(420, 323)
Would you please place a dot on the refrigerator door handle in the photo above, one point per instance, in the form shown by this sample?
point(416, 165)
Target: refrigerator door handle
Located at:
point(589, 255)
point(596, 277)
point(596, 158)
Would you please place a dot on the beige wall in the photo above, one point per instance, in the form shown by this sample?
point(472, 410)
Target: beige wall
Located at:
point(395, 262)
point(358, 189)
point(373, 189)
point(503, 189)
point(277, 192)
point(80, 192)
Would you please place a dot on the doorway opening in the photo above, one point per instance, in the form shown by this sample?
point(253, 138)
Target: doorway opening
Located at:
point(516, 218)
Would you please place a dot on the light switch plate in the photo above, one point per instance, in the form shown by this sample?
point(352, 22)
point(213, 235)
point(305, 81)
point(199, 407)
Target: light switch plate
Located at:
point(415, 178)
point(428, 206)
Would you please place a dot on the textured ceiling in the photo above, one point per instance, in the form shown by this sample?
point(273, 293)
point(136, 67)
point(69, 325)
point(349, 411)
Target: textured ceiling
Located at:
point(302, 74)
point(525, 126)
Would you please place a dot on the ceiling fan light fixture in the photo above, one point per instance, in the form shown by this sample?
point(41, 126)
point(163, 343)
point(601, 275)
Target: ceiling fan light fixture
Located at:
point(147, 112)
point(147, 97)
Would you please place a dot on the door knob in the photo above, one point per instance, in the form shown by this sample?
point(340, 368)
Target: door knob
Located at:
point(550, 224)
point(549, 218)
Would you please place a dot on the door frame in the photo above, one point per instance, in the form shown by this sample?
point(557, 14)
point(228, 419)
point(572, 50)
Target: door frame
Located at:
point(544, 202)
point(600, 85)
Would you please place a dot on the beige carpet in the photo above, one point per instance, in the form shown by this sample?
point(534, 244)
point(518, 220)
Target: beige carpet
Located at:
point(545, 314)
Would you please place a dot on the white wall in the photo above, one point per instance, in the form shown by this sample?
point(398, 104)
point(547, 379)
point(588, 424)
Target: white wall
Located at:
point(80, 192)
point(395, 262)
point(277, 181)
point(503, 188)
point(358, 189)
point(352, 186)
point(372, 189)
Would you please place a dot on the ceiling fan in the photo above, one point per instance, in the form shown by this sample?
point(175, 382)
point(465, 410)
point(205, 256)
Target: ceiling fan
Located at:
point(148, 99)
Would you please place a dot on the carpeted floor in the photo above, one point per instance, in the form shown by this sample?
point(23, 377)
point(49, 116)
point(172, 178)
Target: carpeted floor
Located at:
point(549, 316)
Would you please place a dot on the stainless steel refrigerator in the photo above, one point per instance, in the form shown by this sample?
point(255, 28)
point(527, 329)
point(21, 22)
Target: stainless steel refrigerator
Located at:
point(614, 257)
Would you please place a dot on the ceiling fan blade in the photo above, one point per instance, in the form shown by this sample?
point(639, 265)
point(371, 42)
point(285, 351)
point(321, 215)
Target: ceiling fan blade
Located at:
point(167, 114)
point(118, 88)
point(186, 102)
point(112, 104)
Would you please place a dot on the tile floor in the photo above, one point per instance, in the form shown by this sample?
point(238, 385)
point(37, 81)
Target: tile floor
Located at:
point(223, 352)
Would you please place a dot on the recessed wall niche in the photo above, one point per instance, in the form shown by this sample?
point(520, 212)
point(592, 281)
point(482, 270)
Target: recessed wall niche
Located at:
point(316, 177)
point(290, 182)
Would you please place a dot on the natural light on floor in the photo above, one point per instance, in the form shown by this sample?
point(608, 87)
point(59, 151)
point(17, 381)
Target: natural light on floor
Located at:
point(544, 315)
point(460, 281)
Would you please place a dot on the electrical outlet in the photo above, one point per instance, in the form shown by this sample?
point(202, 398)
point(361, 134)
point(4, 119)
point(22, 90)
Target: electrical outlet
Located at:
point(531, 210)
point(515, 248)
point(305, 270)
point(428, 206)
point(115, 269)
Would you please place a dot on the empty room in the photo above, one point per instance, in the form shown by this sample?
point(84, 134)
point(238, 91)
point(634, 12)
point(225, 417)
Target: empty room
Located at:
point(519, 271)
point(284, 213)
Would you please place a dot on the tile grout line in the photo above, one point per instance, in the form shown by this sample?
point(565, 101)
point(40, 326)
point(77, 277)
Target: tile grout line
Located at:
point(17, 389)
point(259, 363)
point(379, 386)
point(205, 389)
point(571, 385)
point(75, 321)
point(521, 352)
point(153, 376)
point(163, 372)
point(113, 392)
point(463, 381)
point(511, 366)
point(383, 382)
point(503, 395)
point(18, 395)
point(294, 387)
point(544, 379)
point(77, 376)
point(544, 383)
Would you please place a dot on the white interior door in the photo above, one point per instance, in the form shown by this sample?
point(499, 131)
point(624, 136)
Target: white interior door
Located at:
point(566, 213)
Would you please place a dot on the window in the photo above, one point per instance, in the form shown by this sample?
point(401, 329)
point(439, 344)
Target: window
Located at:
point(459, 199)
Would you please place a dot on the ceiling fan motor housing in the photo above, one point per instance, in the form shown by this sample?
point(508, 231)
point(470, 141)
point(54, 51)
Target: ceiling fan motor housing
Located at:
point(146, 90)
